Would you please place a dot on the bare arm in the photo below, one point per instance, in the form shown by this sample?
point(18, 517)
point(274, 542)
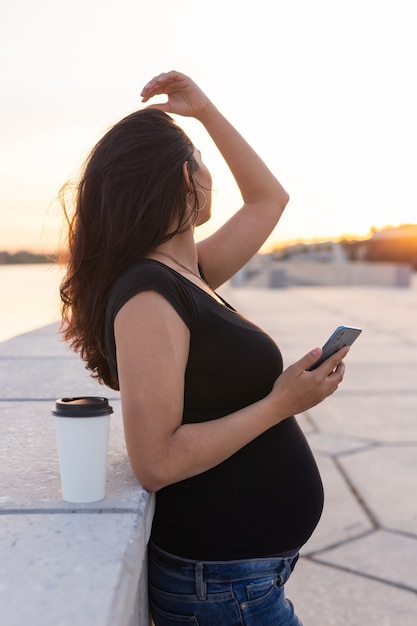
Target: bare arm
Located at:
point(227, 250)
point(152, 351)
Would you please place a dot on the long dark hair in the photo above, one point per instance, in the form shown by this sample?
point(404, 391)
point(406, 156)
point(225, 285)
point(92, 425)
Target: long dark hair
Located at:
point(130, 193)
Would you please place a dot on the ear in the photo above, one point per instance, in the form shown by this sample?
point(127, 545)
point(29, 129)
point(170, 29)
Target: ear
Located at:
point(186, 175)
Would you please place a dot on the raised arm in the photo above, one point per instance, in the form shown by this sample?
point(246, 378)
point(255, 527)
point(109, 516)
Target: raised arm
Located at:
point(227, 250)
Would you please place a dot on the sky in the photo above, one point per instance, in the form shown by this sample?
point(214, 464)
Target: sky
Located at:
point(324, 90)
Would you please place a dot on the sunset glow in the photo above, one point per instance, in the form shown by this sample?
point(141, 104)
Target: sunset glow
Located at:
point(322, 90)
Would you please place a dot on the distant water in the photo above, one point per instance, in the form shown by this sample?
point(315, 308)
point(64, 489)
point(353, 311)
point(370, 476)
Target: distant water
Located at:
point(29, 297)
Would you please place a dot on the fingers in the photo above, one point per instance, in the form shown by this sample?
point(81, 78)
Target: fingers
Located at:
point(184, 97)
point(333, 362)
point(152, 85)
point(307, 360)
point(304, 389)
point(162, 83)
point(329, 363)
point(330, 374)
point(340, 369)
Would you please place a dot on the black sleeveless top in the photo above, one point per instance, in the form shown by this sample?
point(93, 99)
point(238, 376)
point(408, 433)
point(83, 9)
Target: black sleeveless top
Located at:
point(266, 498)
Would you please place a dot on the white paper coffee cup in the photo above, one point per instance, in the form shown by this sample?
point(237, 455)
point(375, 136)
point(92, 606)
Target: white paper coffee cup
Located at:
point(82, 434)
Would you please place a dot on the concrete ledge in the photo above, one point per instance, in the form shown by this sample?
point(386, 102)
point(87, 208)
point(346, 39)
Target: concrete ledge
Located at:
point(358, 274)
point(265, 272)
point(63, 563)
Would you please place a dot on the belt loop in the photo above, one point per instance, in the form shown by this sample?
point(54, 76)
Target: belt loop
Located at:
point(200, 585)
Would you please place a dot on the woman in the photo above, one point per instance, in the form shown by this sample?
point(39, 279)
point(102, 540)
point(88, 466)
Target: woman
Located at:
point(206, 406)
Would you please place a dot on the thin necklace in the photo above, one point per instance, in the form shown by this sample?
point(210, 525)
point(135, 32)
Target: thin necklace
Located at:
point(184, 267)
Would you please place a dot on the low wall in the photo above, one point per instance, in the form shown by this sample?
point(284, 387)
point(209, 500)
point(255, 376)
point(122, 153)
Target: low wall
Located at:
point(357, 274)
point(279, 274)
point(64, 564)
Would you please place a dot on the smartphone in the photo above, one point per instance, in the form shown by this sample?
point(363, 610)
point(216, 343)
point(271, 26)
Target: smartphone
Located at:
point(342, 336)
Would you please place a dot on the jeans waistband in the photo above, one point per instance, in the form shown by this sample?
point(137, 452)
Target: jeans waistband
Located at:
point(218, 570)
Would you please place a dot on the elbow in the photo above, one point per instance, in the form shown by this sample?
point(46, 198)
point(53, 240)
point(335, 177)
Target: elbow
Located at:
point(151, 468)
point(278, 198)
point(285, 198)
point(153, 485)
point(150, 479)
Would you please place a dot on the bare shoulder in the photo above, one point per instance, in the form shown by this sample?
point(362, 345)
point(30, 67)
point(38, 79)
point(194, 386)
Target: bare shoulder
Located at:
point(152, 346)
point(147, 322)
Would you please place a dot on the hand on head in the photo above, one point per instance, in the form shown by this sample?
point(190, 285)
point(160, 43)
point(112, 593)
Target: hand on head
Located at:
point(184, 96)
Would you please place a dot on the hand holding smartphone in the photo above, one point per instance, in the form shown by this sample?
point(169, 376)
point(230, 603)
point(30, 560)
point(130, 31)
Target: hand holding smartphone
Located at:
point(342, 336)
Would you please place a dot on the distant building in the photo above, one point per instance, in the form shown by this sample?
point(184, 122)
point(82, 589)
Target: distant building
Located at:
point(393, 245)
point(322, 252)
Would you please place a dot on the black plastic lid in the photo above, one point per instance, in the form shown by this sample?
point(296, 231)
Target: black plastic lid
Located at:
point(84, 406)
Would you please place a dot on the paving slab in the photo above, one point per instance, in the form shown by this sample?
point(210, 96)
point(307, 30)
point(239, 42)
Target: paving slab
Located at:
point(327, 596)
point(324, 443)
point(385, 478)
point(377, 377)
point(385, 417)
point(35, 364)
point(382, 555)
point(37, 377)
point(44, 341)
point(343, 517)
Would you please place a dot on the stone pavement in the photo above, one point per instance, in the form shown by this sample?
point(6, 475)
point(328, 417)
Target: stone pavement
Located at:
point(360, 566)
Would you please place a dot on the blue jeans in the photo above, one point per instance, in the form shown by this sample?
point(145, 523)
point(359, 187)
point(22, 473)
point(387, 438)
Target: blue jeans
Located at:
point(219, 593)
